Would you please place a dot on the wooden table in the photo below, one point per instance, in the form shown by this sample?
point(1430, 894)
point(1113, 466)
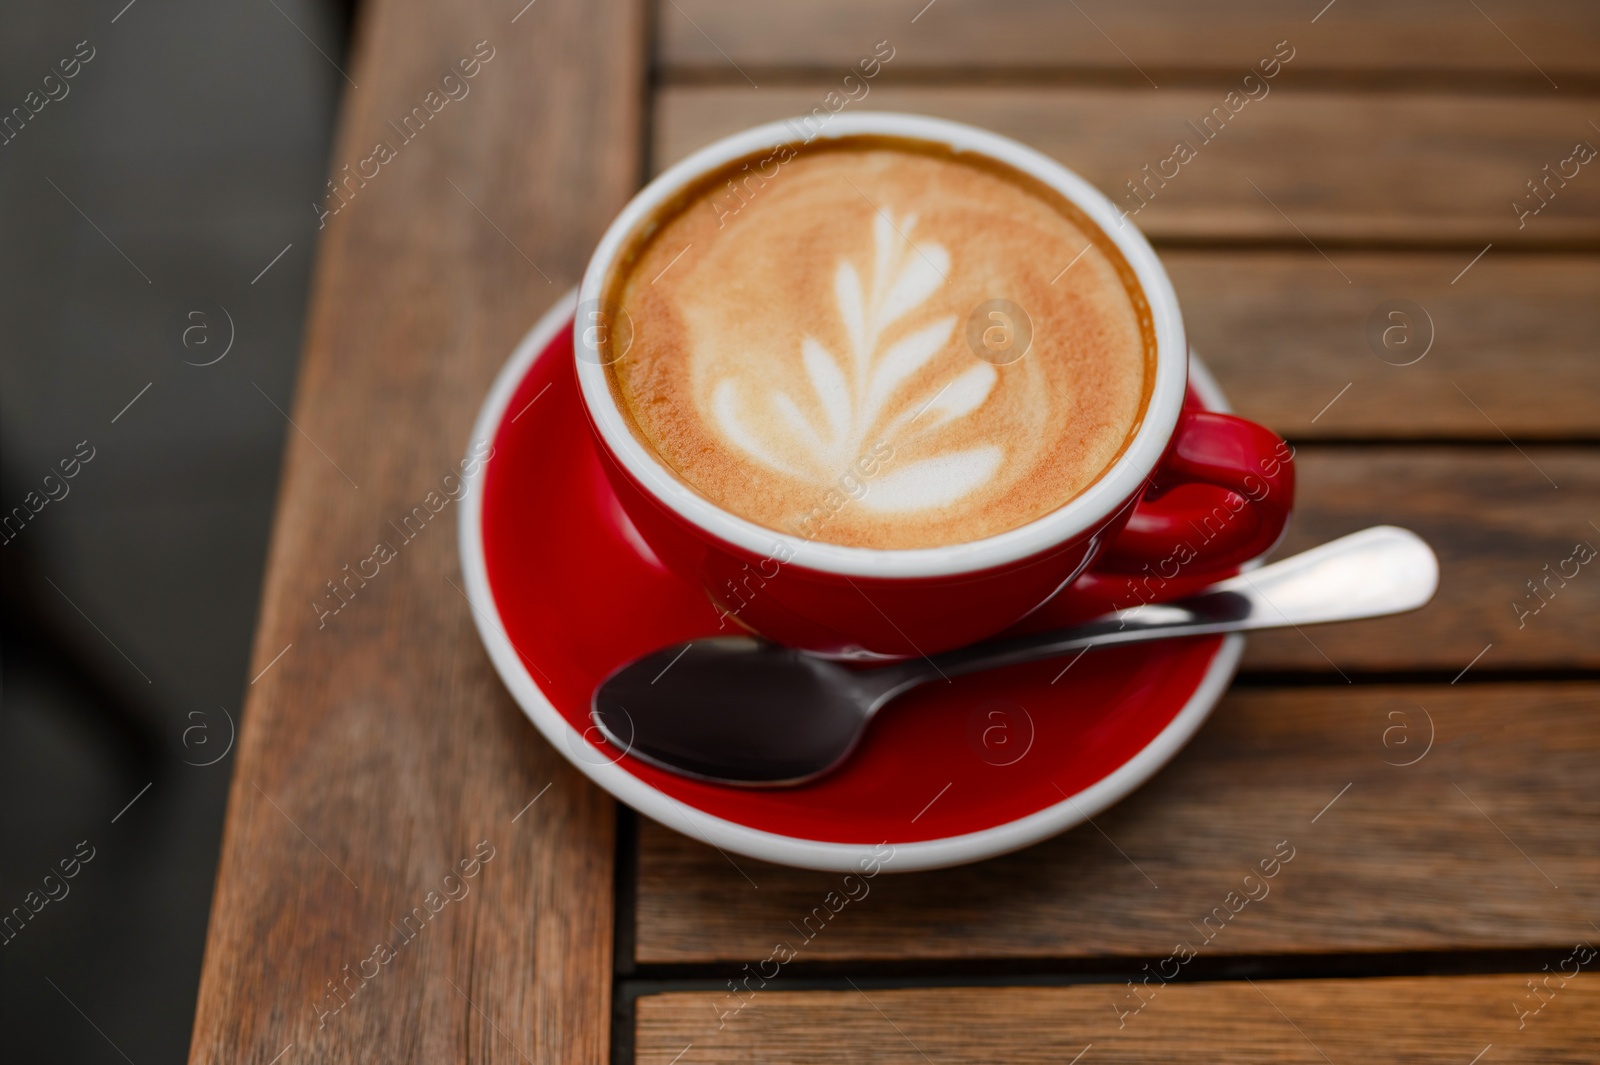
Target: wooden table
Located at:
point(1437, 776)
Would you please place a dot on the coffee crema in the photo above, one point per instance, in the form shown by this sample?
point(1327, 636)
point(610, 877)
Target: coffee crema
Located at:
point(879, 342)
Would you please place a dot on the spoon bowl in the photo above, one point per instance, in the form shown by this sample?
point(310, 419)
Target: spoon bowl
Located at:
point(779, 715)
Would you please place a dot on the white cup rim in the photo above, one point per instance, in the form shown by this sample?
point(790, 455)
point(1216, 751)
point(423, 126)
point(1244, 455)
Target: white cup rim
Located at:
point(1084, 512)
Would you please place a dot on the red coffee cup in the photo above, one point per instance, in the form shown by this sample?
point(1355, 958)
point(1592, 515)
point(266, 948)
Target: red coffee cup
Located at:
point(1193, 495)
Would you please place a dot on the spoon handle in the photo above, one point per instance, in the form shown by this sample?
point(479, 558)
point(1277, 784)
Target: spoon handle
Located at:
point(1377, 571)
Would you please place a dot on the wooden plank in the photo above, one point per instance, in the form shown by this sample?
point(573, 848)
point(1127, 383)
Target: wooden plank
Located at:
point(1497, 519)
point(1292, 167)
point(1416, 1021)
point(1286, 337)
point(378, 750)
point(1407, 858)
point(1152, 37)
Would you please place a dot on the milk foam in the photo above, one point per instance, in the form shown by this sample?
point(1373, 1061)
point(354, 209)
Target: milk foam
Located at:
point(804, 361)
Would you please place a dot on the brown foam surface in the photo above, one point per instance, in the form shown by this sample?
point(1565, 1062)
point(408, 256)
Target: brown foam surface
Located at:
point(815, 348)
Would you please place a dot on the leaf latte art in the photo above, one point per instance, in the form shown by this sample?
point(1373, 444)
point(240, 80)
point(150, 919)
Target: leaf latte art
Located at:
point(821, 361)
point(856, 403)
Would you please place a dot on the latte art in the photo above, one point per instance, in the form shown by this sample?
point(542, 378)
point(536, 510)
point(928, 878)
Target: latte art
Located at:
point(879, 391)
point(809, 363)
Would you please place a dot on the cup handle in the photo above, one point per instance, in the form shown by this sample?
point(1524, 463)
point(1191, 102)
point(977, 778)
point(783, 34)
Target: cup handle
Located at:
point(1220, 496)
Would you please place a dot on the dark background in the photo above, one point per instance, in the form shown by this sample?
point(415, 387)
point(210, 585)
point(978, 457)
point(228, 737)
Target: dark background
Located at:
point(186, 154)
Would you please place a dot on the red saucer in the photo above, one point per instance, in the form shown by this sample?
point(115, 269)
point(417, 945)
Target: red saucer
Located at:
point(565, 591)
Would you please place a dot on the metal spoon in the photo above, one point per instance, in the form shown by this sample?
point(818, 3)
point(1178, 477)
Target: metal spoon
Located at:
point(741, 710)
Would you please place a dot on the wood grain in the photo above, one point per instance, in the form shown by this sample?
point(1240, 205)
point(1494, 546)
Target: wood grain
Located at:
point(1497, 519)
point(380, 750)
point(1294, 167)
point(1285, 336)
point(1417, 1021)
point(1409, 858)
point(1157, 37)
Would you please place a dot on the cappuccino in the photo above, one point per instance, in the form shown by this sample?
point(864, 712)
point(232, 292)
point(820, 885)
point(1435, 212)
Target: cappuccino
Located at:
point(879, 342)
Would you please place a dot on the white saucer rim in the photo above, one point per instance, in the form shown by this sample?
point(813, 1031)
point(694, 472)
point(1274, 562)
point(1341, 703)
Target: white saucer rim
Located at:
point(774, 847)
